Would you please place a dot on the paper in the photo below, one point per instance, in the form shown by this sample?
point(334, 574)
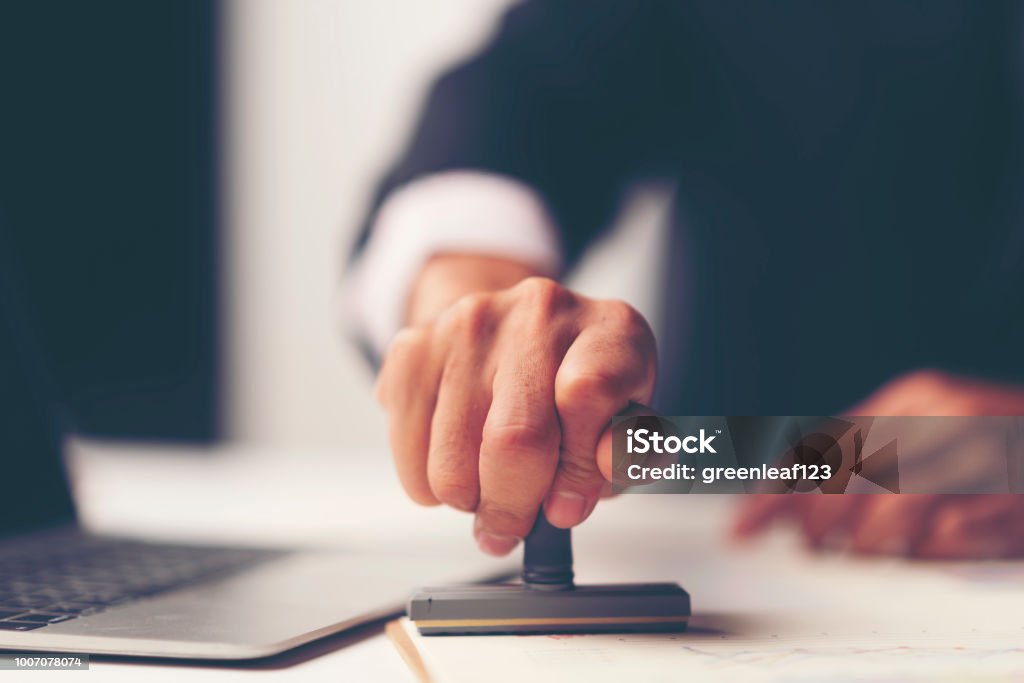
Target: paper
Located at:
point(597, 658)
point(771, 613)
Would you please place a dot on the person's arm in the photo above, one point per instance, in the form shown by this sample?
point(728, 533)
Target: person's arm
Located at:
point(501, 385)
point(524, 149)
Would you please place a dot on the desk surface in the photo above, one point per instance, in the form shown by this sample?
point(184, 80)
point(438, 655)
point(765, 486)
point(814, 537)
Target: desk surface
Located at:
point(267, 497)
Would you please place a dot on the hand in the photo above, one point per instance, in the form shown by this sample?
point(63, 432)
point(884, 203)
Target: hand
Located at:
point(930, 392)
point(947, 527)
point(924, 526)
point(497, 404)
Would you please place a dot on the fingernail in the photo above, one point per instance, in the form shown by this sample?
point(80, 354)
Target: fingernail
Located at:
point(565, 508)
point(496, 544)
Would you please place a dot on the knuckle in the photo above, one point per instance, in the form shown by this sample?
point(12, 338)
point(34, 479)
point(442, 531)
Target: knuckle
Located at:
point(623, 316)
point(925, 380)
point(401, 358)
point(407, 342)
point(543, 295)
point(963, 406)
point(470, 317)
point(579, 472)
point(576, 387)
point(472, 304)
point(632, 335)
point(510, 438)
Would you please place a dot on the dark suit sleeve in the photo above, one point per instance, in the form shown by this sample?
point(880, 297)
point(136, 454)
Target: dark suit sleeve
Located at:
point(566, 97)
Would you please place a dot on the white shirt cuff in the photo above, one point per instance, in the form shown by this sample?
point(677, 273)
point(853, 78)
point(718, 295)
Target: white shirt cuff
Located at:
point(451, 212)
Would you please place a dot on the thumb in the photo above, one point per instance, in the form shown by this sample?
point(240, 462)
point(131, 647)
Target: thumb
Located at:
point(605, 457)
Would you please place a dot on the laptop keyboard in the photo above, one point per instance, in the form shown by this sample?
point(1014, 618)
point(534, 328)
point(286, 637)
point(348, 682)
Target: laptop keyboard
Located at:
point(58, 577)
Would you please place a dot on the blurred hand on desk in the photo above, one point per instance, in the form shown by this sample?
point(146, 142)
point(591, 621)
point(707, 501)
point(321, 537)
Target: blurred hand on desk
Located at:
point(922, 526)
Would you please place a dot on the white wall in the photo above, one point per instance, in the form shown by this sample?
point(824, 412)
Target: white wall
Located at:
point(320, 95)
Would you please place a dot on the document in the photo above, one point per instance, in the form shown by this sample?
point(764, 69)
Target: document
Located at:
point(772, 612)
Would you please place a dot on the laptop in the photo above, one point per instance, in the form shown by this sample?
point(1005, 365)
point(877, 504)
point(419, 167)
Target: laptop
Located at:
point(63, 589)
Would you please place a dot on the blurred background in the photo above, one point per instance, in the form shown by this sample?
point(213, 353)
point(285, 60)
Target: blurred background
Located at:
point(182, 181)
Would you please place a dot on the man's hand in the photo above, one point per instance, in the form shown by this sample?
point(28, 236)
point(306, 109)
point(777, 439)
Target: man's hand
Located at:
point(949, 527)
point(925, 526)
point(497, 402)
point(930, 392)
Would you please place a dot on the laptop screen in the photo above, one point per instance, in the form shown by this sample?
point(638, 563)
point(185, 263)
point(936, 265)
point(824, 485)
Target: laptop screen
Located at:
point(35, 492)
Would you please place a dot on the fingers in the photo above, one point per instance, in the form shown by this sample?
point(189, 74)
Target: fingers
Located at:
point(608, 365)
point(909, 394)
point(760, 511)
point(462, 403)
point(823, 520)
point(892, 525)
point(465, 331)
point(974, 527)
point(518, 456)
point(940, 527)
point(521, 435)
point(936, 393)
point(830, 520)
point(497, 405)
point(866, 524)
point(409, 412)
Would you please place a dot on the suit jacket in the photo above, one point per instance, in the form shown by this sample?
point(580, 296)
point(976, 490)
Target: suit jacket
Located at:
point(849, 177)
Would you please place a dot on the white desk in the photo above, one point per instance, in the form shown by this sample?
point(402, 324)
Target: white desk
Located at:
point(262, 497)
point(354, 500)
